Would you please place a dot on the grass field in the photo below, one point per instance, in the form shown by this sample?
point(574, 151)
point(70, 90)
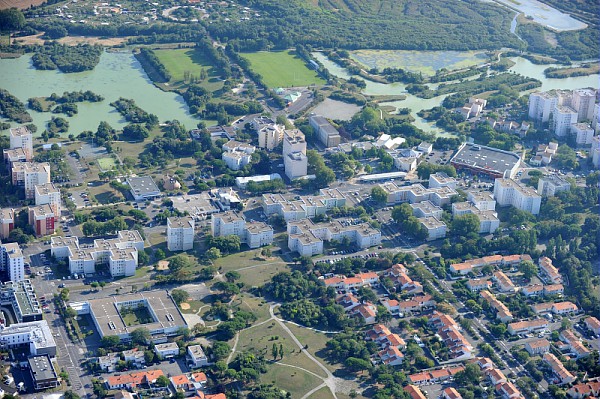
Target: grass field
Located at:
point(282, 69)
point(316, 343)
point(180, 61)
point(106, 163)
point(135, 316)
point(323, 393)
point(260, 339)
point(296, 382)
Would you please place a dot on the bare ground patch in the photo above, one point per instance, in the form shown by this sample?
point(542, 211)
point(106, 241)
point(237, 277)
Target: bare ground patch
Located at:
point(20, 4)
point(74, 40)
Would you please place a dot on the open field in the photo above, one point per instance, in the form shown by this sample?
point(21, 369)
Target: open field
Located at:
point(253, 304)
point(323, 393)
point(106, 163)
point(72, 40)
point(260, 339)
point(20, 4)
point(426, 62)
point(282, 69)
point(180, 61)
point(316, 343)
point(290, 379)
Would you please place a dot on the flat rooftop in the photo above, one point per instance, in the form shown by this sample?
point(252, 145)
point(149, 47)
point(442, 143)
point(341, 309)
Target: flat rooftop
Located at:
point(142, 185)
point(39, 332)
point(485, 158)
point(195, 205)
point(42, 368)
point(109, 320)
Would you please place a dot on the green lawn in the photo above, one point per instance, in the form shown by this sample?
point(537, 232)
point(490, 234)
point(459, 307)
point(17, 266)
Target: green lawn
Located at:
point(292, 380)
point(282, 69)
point(136, 315)
point(180, 61)
point(106, 163)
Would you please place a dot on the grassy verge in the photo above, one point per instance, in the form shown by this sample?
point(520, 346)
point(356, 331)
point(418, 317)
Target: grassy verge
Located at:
point(282, 69)
point(260, 339)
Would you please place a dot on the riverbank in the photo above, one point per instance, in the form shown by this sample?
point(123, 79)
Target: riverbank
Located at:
point(569, 72)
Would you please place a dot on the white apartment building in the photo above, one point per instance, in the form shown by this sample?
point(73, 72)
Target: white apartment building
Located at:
point(7, 222)
point(304, 207)
point(14, 155)
point(426, 209)
point(417, 193)
point(49, 194)
point(541, 105)
point(583, 103)
point(236, 160)
point(258, 234)
point(237, 155)
point(509, 192)
point(595, 152)
point(12, 261)
point(35, 334)
point(21, 137)
point(294, 154)
point(269, 133)
point(180, 233)
point(293, 141)
point(296, 165)
point(254, 234)
point(563, 118)
point(440, 179)
point(29, 175)
point(436, 229)
point(166, 350)
point(196, 356)
point(583, 132)
point(596, 118)
point(226, 224)
point(306, 237)
point(548, 186)
point(482, 200)
point(121, 253)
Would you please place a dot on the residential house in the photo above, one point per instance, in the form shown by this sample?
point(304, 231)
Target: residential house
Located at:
point(563, 376)
point(584, 390)
point(593, 324)
point(196, 356)
point(538, 346)
point(522, 327)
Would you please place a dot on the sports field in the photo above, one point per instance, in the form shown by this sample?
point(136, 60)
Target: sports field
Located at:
point(282, 69)
point(180, 61)
point(106, 163)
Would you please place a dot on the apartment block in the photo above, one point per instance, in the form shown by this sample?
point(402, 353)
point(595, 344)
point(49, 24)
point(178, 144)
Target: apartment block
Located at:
point(548, 186)
point(541, 105)
point(43, 219)
point(436, 229)
point(49, 194)
point(549, 271)
point(236, 154)
point(14, 155)
point(441, 179)
point(563, 375)
point(502, 312)
point(583, 103)
point(439, 196)
point(564, 119)
point(21, 137)
point(426, 209)
point(306, 237)
point(326, 133)
point(7, 222)
point(303, 207)
point(29, 175)
point(180, 233)
point(583, 132)
point(120, 254)
point(509, 192)
point(255, 234)
point(12, 262)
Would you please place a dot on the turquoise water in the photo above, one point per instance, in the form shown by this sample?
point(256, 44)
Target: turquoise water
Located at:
point(117, 75)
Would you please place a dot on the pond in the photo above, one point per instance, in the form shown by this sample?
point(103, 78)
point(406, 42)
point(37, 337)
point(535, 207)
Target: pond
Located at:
point(545, 15)
point(118, 74)
point(416, 104)
point(426, 62)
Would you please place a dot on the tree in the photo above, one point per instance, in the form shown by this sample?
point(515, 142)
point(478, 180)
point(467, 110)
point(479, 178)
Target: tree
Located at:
point(179, 262)
point(148, 356)
point(529, 269)
point(232, 275)
point(136, 132)
point(110, 341)
point(355, 364)
point(70, 395)
point(280, 351)
point(274, 351)
point(162, 381)
point(469, 376)
point(213, 254)
point(379, 195)
point(179, 295)
point(220, 350)
point(140, 336)
point(463, 226)
point(11, 19)
point(401, 213)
